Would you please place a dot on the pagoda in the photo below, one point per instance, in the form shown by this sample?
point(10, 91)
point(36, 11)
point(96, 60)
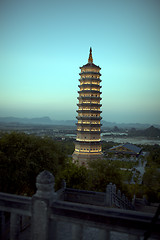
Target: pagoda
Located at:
point(88, 141)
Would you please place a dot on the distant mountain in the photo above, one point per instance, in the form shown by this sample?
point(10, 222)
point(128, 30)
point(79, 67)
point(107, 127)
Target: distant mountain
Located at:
point(152, 131)
point(41, 121)
point(13, 120)
point(49, 121)
point(126, 125)
point(149, 132)
point(64, 122)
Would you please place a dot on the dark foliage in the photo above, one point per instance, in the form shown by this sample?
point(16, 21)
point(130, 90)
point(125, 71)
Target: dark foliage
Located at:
point(22, 157)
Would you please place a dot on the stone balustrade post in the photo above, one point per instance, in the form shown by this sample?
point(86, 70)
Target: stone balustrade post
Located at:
point(114, 194)
point(2, 224)
point(41, 202)
point(63, 184)
point(109, 195)
point(133, 200)
point(14, 226)
point(123, 201)
point(119, 198)
point(127, 203)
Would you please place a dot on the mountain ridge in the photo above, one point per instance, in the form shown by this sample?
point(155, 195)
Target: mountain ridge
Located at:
point(48, 121)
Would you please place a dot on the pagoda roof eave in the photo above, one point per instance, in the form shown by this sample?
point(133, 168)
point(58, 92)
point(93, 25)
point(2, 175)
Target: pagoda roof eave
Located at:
point(89, 104)
point(89, 132)
point(89, 91)
point(90, 79)
point(90, 72)
point(91, 111)
point(88, 125)
point(88, 98)
point(88, 118)
point(89, 85)
point(88, 142)
point(90, 65)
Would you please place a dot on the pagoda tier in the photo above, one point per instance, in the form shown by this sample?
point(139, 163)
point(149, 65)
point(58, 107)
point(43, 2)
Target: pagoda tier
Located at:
point(89, 125)
point(84, 91)
point(85, 72)
point(91, 80)
point(91, 111)
point(88, 118)
point(88, 141)
point(92, 132)
point(89, 104)
point(89, 86)
point(89, 98)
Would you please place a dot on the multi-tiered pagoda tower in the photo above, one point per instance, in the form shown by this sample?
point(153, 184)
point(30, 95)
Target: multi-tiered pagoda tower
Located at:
point(88, 141)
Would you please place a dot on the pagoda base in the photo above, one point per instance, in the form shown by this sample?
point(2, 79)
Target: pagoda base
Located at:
point(82, 159)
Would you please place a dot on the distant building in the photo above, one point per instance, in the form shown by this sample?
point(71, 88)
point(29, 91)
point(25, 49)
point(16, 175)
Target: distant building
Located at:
point(88, 141)
point(126, 148)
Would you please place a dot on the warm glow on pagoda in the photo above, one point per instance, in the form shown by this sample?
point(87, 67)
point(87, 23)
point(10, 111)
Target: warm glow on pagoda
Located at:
point(88, 141)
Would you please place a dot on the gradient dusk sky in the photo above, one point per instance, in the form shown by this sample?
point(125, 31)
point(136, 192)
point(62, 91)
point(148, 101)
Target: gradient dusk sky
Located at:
point(43, 44)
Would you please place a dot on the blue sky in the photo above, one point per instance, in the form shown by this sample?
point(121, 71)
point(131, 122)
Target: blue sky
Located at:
point(43, 44)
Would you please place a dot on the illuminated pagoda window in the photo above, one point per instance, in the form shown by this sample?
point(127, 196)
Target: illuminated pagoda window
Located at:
point(88, 141)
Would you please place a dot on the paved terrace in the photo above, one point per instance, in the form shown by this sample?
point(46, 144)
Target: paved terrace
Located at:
point(74, 215)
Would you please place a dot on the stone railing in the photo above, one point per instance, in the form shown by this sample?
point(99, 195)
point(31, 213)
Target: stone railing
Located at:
point(114, 198)
point(54, 217)
point(111, 198)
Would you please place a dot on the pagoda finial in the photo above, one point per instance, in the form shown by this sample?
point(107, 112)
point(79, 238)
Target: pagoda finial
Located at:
point(90, 59)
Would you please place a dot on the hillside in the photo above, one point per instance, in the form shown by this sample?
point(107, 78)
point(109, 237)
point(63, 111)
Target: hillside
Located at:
point(149, 132)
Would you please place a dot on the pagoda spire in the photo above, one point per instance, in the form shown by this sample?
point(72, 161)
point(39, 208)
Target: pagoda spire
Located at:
point(90, 59)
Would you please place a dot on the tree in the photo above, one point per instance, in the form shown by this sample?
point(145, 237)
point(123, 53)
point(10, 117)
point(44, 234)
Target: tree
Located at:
point(22, 157)
point(75, 176)
point(103, 173)
point(151, 182)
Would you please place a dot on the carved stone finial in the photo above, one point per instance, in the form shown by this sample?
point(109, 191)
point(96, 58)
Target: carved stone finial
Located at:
point(45, 177)
point(45, 185)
